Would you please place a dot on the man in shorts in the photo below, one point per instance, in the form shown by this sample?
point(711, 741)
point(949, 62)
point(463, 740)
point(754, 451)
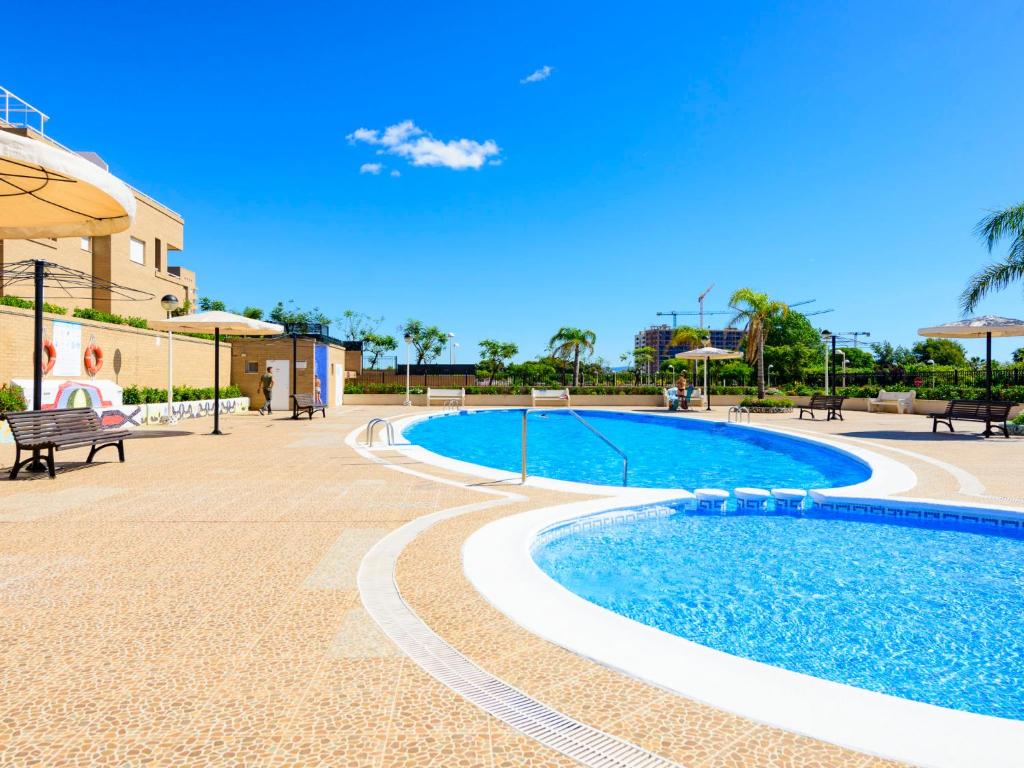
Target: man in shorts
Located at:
point(267, 385)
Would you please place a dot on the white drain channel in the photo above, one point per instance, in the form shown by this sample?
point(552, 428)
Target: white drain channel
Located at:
point(384, 603)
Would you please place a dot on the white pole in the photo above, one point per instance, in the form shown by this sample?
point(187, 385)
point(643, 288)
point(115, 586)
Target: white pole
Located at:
point(170, 376)
point(408, 399)
point(706, 401)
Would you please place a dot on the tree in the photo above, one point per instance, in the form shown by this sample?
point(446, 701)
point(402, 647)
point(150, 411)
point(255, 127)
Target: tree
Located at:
point(689, 337)
point(791, 345)
point(376, 344)
point(427, 340)
point(857, 358)
point(756, 310)
point(942, 351)
point(253, 312)
point(1018, 355)
point(569, 344)
point(494, 354)
point(643, 357)
point(533, 372)
point(206, 304)
point(1007, 224)
point(300, 319)
point(356, 326)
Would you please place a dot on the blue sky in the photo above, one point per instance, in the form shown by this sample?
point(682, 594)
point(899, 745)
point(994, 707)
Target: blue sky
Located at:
point(810, 150)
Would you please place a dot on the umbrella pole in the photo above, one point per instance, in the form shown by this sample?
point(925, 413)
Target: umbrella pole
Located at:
point(988, 364)
point(37, 357)
point(216, 382)
point(707, 392)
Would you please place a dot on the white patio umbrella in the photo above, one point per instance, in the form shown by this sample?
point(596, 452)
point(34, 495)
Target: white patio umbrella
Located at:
point(217, 323)
point(706, 354)
point(47, 191)
point(985, 327)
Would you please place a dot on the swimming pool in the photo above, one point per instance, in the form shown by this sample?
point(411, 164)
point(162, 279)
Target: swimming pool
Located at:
point(930, 612)
point(663, 452)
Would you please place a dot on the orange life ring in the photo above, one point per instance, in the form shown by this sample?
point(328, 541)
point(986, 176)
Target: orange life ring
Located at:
point(93, 359)
point(51, 356)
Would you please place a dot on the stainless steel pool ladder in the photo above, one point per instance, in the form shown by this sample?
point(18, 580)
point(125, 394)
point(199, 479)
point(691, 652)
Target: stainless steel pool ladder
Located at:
point(739, 410)
point(588, 425)
point(452, 405)
point(389, 431)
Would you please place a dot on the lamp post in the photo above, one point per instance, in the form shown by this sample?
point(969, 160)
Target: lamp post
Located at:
point(170, 303)
point(931, 364)
point(770, 366)
point(408, 342)
point(841, 352)
point(825, 336)
point(451, 348)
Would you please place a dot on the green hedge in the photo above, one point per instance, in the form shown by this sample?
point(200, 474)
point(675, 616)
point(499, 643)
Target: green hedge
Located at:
point(139, 395)
point(12, 399)
point(106, 317)
point(14, 301)
point(767, 403)
point(361, 388)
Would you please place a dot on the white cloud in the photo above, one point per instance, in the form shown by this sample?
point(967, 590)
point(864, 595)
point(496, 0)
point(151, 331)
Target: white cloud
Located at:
point(408, 140)
point(537, 75)
point(395, 174)
point(371, 168)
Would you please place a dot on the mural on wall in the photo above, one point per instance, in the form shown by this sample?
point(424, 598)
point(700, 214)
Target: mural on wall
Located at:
point(103, 396)
point(67, 343)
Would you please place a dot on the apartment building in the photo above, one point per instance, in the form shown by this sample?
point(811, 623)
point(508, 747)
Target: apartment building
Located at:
point(659, 338)
point(140, 257)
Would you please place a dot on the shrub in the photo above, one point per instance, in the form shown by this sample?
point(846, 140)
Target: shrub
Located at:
point(86, 313)
point(767, 404)
point(1018, 419)
point(12, 399)
point(134, 395)
point(14, 301)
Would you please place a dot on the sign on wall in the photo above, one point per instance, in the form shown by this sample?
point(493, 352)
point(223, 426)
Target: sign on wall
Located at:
point(67, 340)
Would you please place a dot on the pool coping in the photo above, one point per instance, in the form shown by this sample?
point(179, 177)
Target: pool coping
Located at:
point(497, 560)
point(888, 476)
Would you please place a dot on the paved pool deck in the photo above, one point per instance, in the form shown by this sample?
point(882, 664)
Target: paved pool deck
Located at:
point(198, 606)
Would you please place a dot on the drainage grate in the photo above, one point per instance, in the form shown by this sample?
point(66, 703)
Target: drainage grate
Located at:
point(384, 603)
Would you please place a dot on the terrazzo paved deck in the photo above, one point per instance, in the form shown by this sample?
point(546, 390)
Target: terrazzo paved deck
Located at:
point(197, 606)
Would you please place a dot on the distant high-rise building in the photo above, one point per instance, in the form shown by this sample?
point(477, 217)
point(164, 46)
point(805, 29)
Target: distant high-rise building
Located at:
point(659, 338)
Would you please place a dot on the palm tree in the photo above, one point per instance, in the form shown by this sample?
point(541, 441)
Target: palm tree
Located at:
point(571, 343)
point(688, 336)
point(756, 310)
point(1008, 224)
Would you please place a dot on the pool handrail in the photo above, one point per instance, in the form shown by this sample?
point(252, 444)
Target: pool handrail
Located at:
point(588, 425)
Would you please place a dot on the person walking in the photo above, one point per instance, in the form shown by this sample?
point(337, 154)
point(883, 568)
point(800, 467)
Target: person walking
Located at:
point(267, 385)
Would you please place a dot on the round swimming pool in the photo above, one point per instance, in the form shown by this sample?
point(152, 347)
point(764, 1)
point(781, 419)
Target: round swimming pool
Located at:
point(933, 614)
point(663, 452)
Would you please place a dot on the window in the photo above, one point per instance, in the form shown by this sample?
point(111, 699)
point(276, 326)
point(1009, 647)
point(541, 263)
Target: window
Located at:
point(86, 244)
point(252, 366)
point(158, 256)
point(137, 252)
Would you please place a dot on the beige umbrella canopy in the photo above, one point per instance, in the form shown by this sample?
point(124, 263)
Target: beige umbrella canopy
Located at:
point(217, 323)
point(706, 354)
point(984, 327)
point(47, 191)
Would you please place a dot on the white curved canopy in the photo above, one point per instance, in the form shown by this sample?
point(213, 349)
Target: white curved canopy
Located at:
point(228, 322)
point(46, 191)
point(708, 353)
point(975, 327)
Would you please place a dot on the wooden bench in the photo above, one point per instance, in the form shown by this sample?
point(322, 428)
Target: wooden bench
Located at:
point(903, 402)
point(550, 395)
point(306, 404)
point(832, 405)
point(58, 429)
point(447, 395)
point(991, 412)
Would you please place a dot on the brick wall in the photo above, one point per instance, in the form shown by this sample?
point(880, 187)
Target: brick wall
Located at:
point(142, 358)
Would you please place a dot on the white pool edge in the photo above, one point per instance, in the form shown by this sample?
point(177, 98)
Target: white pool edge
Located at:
point(497, 561)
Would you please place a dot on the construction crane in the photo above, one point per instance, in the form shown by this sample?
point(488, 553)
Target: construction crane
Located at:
point(676, 313)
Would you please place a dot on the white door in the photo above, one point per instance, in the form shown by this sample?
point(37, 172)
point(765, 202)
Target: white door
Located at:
point(281, 370)
point(339, 383)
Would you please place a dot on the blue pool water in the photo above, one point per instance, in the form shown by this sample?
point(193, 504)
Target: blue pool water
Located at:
point(663, 452)
point(930, 614)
